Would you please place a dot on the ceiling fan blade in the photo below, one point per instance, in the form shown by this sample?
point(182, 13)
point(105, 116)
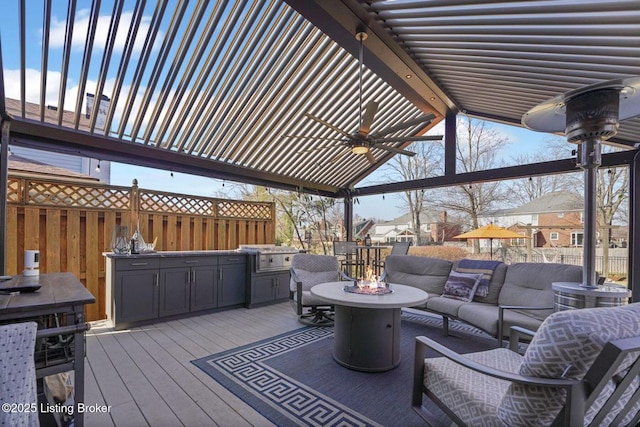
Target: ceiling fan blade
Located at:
point(310, 150)
point(372, 159)
point(315, 138)
point(330, 126)
point(408, 138)
point(409, 123)
point(339, 156)
point(395, 150)
point(367, 118)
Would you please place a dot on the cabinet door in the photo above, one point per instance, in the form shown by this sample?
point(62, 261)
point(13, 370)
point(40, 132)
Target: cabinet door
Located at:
point(282, 286)
point(136, 295)
point(204, 285)
point(262, 288)
point(174, 291)
point(231, 285)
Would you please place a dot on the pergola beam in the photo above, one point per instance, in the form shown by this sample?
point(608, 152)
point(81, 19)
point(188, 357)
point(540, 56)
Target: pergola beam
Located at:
point(41, 136)
point(621, 158)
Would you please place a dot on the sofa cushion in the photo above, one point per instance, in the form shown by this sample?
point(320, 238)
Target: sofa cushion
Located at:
point(529, 284)
point(442, 305)
point(495, 285)
point(566, 345)
point(426, 273)
point(461, 286)
point(485, 317)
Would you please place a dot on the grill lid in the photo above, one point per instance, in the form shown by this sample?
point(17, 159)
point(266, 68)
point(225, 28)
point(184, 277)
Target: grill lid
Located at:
point(267, 249)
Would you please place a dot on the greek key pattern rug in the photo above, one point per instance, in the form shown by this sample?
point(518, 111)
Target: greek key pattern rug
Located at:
point(282, 399)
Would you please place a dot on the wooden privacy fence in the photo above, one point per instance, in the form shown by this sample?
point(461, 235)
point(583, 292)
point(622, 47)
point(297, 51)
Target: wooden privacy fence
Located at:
point(72, 224)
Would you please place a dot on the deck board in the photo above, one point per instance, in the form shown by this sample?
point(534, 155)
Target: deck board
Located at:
point(147, 377)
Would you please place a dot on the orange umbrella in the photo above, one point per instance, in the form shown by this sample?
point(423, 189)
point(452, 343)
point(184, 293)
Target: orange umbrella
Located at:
point(490, 231)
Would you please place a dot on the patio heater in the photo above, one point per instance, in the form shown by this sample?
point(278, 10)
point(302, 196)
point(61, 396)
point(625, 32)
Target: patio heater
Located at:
point(588, 116)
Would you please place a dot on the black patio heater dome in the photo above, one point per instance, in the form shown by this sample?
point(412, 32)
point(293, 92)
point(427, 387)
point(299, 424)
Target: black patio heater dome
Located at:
point(588, 116)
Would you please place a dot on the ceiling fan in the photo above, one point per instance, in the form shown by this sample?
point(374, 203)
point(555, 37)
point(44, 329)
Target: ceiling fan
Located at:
point(362, 141)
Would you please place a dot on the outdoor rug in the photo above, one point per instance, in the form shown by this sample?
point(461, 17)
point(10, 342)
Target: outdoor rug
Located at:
point(293, 380)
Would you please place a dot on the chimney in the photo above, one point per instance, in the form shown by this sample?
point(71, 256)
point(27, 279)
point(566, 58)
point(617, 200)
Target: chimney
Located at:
point(443, 216)
point(102, 109)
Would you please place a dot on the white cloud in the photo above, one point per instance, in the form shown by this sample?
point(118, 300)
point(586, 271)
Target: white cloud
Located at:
point(81, 26)
point(32, 88)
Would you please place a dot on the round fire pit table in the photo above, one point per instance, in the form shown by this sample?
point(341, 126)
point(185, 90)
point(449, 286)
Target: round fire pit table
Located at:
point(367, 327)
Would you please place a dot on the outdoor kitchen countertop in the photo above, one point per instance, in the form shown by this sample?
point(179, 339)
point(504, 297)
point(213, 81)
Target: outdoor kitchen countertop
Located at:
point(175, 254)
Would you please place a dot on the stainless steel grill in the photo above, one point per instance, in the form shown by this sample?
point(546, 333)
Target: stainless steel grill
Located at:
point(270, 257)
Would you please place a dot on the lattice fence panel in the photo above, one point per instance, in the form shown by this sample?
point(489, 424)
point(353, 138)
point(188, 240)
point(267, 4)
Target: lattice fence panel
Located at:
point(151, 201)
point(247, 210)
point(83, 196)
point(14, 187)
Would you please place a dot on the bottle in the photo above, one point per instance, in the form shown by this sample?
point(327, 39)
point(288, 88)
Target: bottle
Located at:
point(138, 244)
point(367, 240)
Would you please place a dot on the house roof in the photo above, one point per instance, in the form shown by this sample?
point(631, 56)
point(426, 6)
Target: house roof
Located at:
point(21, 166)
point(224, 89)
point(558, 201)
point(425, 218)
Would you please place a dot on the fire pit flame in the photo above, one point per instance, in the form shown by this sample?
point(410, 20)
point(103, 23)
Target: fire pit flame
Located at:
point(369, 285)
point(370, 280)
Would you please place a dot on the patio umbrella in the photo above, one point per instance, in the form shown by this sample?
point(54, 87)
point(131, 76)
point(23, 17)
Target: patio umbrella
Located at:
point(490, 231)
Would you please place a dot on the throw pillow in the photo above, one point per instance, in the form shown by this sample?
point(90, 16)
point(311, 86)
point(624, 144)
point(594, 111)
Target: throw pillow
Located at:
point(461, 286)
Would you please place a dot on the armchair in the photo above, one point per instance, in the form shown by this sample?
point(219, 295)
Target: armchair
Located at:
point(581, 368)
point(307, 271)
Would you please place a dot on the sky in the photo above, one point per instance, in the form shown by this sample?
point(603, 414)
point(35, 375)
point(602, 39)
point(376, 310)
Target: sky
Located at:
point(521, 140)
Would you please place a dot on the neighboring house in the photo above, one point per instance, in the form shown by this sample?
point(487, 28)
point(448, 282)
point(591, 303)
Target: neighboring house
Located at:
point(362, 228)
point(20, 167)
point(434, 228)
point(97, 168)
point(554, 220)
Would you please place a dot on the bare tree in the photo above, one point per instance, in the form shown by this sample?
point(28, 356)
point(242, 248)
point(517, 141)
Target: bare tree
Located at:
point(477, 147)
point(612, 186)
point(522, 191)
point(426, 163)
point(297, 215)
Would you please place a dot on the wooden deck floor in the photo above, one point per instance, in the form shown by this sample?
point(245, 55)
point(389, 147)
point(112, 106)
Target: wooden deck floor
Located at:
point(146, 376)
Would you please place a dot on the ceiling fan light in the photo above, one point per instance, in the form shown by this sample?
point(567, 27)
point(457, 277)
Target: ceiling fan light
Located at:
point(359, 149)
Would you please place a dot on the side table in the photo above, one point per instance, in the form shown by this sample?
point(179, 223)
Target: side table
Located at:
point(572, 295)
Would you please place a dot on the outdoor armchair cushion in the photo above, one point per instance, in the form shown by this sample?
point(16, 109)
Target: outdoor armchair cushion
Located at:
point(313, 270)
point(475, 397)
point(307, 271)
point(18, 373)
point(565, 346)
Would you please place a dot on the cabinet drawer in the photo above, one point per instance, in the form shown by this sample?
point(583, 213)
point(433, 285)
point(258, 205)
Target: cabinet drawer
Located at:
point(232, 259)
point(189, 261)
point(137, 264)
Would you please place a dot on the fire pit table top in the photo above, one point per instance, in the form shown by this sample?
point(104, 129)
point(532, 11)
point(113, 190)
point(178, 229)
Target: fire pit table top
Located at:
point(402, 296)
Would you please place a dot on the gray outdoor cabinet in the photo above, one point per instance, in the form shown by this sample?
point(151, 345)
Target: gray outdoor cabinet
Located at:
point(269, 287)
point(146, 287)
point(190, 282)
point(136, 290)
point(232, 275)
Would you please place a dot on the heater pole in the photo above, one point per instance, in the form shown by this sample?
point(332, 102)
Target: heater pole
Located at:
point(590, 161)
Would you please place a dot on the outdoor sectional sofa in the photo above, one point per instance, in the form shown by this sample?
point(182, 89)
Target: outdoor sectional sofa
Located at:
point(519, 294)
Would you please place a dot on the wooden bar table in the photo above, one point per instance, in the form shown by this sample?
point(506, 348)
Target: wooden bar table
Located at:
point(61, 298)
